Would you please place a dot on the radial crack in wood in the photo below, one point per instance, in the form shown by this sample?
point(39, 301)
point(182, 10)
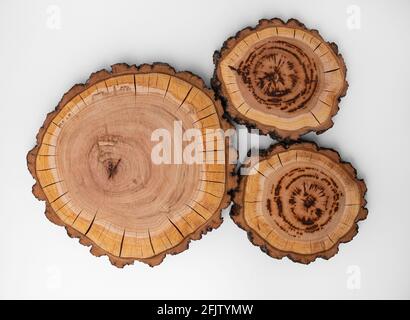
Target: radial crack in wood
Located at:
point(300, 201)
point(281, 78)
point(93, 165)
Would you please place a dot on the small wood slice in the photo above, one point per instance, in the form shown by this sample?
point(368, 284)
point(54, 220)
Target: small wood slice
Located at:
point(94, 169)
point(280, 77)
point(300, 201)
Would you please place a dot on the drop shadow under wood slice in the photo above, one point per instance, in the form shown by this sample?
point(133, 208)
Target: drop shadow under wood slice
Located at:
point(281, 78)
point(92, 164)
point(299, 201)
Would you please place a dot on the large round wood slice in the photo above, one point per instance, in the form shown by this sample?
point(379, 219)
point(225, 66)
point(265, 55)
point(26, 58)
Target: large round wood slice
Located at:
point(281, 78)
point(300, 201)
point(94, 169)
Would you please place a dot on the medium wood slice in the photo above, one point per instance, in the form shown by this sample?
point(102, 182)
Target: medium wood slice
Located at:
point(300, 201)
point(281, 78)
point(93, 164)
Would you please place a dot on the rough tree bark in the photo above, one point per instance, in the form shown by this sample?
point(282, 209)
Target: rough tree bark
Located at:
point(280, 77)
point(92, 164)
point(300, 201)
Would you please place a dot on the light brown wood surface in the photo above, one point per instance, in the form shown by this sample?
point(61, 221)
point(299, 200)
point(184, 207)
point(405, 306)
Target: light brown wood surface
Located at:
point(92, 164)
point(280, 77)
point(300, 201)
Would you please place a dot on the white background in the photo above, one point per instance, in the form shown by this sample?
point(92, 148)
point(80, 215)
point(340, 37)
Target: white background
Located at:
point(39, 64)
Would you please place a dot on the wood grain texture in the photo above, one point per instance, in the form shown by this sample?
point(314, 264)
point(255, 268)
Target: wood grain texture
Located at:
point(301, 201)
point(92, 164)
point(281, 78)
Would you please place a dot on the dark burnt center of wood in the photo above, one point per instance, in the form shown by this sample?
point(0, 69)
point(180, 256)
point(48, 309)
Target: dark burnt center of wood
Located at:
point(279, 75)
point(309, 201)
point(304, 200)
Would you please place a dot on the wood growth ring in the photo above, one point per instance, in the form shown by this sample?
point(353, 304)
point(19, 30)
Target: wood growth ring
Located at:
point(300, 201)
point(93, 167)
point(281, 78)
